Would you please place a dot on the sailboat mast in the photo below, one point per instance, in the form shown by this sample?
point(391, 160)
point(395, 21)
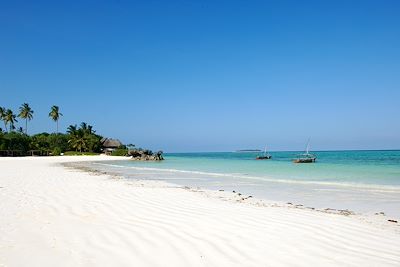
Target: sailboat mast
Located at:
point(308, 146)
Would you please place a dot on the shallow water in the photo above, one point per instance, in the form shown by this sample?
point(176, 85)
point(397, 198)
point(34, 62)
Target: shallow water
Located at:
point(363, 181)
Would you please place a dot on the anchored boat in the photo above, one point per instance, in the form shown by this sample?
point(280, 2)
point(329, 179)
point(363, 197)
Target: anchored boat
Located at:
point(266, 155)
point(307, 157)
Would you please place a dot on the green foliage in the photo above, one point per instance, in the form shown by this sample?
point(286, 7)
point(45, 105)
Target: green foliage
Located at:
point(3, 117)
point(56, 151)
point(78, 139)
point(83, 138)
point(10, 118)
point(25, 112)
point(14, 141)
point(120, 152)
point(40, 142)
point(48, 142)
point(55, 113)
point(58, 141)
point(77, 153)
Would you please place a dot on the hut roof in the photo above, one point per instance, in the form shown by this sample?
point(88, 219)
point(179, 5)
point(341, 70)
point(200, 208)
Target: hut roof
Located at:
point(111, 143)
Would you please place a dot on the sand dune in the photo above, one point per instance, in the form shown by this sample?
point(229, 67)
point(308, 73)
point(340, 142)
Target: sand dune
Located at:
point(56, 216)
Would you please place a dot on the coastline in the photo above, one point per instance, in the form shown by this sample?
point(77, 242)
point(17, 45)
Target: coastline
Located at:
point(52, 215)
point(234, 194)
point(357, 195)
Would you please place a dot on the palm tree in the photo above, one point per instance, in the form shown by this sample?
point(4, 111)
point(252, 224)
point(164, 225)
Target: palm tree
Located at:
point(71, 129)
point(84, 126)
point(10, 118)
point(87, 128)
point(78, 140)
point(90, 129)
point(55, 115)
point(25, 112)
point(3, 117)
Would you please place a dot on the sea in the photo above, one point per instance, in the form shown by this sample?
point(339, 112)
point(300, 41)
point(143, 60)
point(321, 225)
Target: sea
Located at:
point(360, 181)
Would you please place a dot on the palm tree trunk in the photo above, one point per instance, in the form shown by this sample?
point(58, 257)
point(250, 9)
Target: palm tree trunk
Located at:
point(26, 126)
point(57, 127)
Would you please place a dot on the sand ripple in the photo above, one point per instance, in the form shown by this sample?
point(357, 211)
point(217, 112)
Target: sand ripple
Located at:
point(52, 216)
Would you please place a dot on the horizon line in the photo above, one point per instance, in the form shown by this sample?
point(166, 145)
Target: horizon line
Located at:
point(238, 151)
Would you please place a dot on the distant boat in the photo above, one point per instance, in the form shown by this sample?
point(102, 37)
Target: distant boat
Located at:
point(266, 155)
point(307, 157)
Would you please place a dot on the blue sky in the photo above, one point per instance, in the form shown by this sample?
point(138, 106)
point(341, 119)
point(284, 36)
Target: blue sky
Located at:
point(209, 75)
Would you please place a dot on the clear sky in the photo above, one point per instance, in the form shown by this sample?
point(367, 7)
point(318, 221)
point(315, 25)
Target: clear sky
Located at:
point(209, 75)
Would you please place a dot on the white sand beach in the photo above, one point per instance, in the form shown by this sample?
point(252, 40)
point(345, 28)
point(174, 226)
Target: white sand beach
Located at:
point(56, 216)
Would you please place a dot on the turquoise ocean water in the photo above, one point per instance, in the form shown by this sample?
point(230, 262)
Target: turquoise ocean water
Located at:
point(365, 181)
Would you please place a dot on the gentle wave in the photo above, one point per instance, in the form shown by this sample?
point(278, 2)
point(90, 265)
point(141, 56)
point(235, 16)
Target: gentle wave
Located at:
point(369, 187)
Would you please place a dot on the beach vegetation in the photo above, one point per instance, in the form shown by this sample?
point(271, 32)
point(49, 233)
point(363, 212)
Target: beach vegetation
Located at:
point(78, 140)
point(10, 119)
point(49, 142)
point(56, 151)
point(77, 153)
point(14, 141)
point(84, 138)
point(120, 152)
point(26, 113)
point(3, 117)
point(55, 115)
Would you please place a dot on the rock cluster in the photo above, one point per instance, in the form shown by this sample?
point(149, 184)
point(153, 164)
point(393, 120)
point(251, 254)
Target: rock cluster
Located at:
point(138, 154)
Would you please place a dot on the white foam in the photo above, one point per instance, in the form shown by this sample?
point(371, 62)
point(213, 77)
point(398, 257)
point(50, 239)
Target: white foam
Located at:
point(357, 186)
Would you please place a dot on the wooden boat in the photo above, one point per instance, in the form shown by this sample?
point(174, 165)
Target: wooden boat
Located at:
point(266, 155)
point(307, 157)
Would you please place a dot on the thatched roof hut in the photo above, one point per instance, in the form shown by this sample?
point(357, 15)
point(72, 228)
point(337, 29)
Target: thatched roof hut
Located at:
point(110, 144)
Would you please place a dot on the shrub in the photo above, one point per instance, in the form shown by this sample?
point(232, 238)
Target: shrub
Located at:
point(120, 152)
point(14, 141)
point(58, 141)
point(56, 151)
point(77, 153)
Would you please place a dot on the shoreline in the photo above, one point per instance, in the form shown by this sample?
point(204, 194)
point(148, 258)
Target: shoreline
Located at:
point(235, 196)
point(324, 196)
point(54, 214)
point(365, 186)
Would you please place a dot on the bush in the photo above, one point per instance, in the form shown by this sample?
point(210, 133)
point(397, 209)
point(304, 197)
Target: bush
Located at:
point(120, 152)
point(14, 141)
point(59, 141)
point(77, 153)
point(56, 151)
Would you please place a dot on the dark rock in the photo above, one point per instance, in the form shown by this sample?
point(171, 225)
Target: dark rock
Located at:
point(145, 154)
